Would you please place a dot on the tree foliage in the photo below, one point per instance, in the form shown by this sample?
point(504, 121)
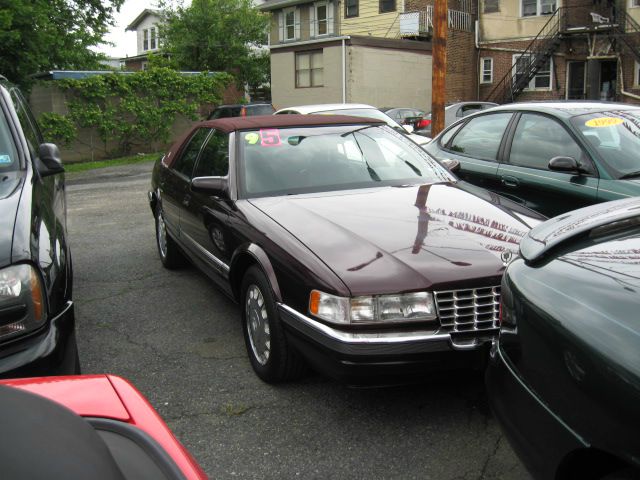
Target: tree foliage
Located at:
point(40, 35)
point(132, 109)
point(217, 35)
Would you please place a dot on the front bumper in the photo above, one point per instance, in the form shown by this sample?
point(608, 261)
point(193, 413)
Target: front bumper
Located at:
point(50, 351)
point(366, 358)
point(538, 436)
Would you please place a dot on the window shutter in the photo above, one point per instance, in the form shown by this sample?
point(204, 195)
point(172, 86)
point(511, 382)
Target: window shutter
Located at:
point(330, 18)
point(312, 20)
point(297, 20)
point(281, 35)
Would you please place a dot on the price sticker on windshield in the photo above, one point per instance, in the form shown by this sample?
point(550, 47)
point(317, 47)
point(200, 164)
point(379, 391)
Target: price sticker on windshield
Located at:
point(604, 122)
point(270, 137)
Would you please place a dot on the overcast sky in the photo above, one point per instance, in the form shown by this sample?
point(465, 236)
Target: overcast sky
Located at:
point(125, 42)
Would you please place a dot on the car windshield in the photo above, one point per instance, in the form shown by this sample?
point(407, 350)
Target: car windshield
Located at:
point(265, 109)
point(9, 161)
point(367, 113)
point(615, 135)
point(298, 160)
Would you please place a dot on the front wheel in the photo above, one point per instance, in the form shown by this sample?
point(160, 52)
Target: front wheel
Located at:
point(170, 255)
point(271, 357)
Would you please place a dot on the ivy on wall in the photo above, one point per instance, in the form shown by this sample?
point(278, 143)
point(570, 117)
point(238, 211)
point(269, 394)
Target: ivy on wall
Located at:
point(134, 109)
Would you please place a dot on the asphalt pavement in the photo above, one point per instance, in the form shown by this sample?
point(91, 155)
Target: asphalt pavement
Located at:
point(179, 341)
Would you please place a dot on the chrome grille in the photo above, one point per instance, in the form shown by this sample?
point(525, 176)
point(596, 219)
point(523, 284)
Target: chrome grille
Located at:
point(469, 310)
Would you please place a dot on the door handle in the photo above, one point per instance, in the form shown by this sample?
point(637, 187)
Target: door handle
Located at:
point(510, 181)
point(186, 200)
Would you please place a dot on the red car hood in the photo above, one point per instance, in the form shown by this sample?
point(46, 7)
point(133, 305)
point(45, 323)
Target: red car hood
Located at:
point(109, 396)
point(394, 239)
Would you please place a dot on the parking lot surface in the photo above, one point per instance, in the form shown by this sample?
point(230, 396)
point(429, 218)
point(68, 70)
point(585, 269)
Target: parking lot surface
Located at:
point(179, 341)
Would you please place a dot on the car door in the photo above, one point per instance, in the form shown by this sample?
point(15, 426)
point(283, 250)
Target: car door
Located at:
point(477, 145)
point(204, 221)
point(525, 176)
point(174, 181)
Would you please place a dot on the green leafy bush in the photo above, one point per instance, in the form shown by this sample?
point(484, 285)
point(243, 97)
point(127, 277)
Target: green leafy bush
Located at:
point(57, 128)
point(135, 109)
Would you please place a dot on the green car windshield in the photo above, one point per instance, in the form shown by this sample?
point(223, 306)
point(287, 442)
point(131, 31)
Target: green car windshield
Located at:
point(295, 160)
point(615, 135)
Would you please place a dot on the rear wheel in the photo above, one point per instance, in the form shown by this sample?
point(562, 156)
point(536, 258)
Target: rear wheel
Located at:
point(170, 255)
point(271, 357)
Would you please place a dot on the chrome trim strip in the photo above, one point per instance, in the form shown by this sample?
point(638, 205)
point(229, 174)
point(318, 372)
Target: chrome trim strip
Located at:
point(66, 308)
point(365, 338)
point(219, 263)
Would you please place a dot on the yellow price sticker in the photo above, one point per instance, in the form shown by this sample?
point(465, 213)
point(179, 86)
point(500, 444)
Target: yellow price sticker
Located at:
point(603, 122)
point(252, 138)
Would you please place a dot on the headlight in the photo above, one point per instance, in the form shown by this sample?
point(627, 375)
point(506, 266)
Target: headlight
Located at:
point(405, 307)
point(22, 302)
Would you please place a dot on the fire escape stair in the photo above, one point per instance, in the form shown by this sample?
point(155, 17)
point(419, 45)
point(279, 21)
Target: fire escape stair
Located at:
point(538, 53)
point(626, 33)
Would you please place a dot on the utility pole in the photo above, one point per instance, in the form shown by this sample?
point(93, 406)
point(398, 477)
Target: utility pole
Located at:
point(439, 65)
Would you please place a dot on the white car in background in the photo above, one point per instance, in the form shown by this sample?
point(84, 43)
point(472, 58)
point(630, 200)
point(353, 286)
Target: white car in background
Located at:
point(355, 110)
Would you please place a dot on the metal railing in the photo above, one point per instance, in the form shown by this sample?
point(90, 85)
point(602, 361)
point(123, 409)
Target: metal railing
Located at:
point(537, 53)
point(626, 30)
point(421, 23)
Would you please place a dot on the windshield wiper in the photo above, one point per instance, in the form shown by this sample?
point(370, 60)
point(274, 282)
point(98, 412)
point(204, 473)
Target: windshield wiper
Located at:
point(414, 168)
point(630, 175)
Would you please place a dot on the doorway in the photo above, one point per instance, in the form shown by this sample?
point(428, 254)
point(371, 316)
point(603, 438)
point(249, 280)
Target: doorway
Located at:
point(602, 79)
point(576, 80)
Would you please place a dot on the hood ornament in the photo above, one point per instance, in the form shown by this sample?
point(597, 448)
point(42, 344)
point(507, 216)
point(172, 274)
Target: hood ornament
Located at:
point(506, 257)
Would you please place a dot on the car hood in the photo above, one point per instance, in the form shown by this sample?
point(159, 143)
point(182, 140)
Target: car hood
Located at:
point(10, 189)
point(394, 239)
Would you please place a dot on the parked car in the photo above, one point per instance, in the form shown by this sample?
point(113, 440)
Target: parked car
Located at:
point(345, 244)
point(91, 426)
point(356, 110)
point(37, 326)
point(452, 113)
point(404, 116)
point(564, 376)
point(552, 157)
point(242, 110)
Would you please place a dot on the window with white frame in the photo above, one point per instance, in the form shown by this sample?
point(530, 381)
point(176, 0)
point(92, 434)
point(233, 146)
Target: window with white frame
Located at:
point(486, 70)
point(321, 19)
point(289, 24)
point(145, 40)
point(634, 3)
point(542, 79)
point(532, 8)
point(309, 69)
point(152, 38)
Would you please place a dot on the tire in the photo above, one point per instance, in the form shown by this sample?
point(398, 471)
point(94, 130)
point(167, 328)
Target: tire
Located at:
point(170, 256)
point(271, 357)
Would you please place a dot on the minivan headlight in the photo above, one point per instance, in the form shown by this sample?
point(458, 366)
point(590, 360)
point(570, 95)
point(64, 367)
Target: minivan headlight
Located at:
point(402, 307)
point(22, 301)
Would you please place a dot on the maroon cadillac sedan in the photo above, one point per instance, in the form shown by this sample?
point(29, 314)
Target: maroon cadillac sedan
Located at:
point(346, 245)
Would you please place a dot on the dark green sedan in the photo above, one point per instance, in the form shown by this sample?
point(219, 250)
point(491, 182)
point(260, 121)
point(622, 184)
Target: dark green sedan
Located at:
point(564, 375)
point(552, 157)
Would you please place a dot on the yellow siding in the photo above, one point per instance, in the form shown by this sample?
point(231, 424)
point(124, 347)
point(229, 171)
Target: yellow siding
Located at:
point(370, 22)
point(634, 12)
point(507, 24)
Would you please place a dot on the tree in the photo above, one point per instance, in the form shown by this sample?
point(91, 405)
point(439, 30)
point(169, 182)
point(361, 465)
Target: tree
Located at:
point(40, 35)
point(217, 35)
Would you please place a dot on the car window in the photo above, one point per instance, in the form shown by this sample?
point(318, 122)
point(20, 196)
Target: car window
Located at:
point(615, 135)
point(481, 136)
point(538, 139)
point(318, 159)
point(259, 110)
point(185, 163)
point(27, 122)
point(214, 159)
point(8, 153)
point(449, 134)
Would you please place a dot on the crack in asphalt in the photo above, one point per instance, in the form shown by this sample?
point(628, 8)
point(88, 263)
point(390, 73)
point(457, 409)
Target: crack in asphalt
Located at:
point(490, 457)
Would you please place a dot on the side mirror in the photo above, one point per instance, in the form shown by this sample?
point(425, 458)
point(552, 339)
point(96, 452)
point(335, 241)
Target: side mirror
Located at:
point(564, 164)
point(451, 164)
point(49, 162)
point(408, 128)
point(216, 186)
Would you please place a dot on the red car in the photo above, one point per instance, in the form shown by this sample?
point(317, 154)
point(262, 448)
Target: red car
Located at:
point(108, 430)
